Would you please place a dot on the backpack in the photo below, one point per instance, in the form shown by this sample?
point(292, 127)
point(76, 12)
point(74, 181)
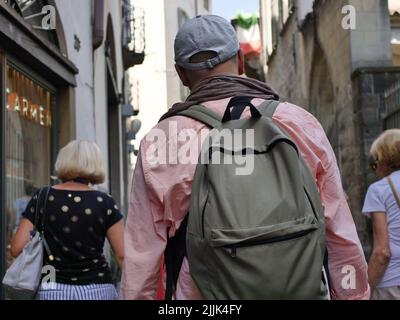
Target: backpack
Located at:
point(253, 236)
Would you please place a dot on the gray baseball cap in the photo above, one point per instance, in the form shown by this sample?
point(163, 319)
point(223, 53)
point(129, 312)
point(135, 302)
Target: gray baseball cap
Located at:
point(205, 33)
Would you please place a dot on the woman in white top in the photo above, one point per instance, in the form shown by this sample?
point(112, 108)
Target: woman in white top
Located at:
point(381, 205)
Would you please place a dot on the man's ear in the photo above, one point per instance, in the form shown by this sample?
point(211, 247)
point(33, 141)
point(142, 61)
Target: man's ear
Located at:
point(182, 75)
point(241, 62)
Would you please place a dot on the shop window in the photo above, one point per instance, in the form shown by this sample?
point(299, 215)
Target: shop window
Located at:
point(29, 121)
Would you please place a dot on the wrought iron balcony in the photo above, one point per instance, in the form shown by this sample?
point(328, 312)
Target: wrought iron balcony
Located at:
point(133, 35)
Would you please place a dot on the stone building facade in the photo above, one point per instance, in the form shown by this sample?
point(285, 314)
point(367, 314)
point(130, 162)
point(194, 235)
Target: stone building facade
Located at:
point(335, 58)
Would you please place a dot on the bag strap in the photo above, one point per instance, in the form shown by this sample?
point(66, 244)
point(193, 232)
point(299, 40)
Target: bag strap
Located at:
point(268, 108)
point(204, 115)
point(396, 195)
point(37, 210)
point(45, 191)
point(213, 120)
point(240, 102)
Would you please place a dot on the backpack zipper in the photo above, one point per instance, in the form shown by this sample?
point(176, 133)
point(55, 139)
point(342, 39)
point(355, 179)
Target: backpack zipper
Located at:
point(293, 236)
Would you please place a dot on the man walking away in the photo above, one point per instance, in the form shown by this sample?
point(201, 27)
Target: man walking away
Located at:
point(209, 61)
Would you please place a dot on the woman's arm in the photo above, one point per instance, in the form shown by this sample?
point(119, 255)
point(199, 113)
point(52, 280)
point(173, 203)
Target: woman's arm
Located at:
point(381, 250)
point(116, 237)
point(21, 237)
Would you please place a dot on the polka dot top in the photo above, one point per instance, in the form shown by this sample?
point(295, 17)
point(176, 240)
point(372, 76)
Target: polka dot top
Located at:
point(76, 225)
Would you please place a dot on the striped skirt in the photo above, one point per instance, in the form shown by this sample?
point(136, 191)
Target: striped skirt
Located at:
point(59, 291)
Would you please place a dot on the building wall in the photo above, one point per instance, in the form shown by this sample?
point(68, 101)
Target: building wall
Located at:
point(371, 41)
point(316, 59)
point(395, 22)
point(396, 54)
point(156, 83)
point(76, 23)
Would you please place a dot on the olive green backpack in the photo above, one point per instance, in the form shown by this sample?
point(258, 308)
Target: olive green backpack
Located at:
point(259, 235)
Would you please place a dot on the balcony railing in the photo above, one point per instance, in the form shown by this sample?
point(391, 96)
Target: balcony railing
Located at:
point(133, 41)
point(392, 106)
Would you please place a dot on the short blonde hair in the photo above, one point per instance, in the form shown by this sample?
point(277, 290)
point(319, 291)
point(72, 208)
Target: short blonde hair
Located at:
point(80, 159)
point(386, 149)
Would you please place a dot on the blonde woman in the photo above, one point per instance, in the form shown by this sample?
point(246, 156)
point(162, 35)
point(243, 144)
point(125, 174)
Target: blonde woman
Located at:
point(77, 220)
point(383, 207)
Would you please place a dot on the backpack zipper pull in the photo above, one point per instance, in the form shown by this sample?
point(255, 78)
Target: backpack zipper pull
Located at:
point(233, 252)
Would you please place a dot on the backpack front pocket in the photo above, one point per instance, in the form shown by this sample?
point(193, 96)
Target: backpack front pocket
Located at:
point(274, 259)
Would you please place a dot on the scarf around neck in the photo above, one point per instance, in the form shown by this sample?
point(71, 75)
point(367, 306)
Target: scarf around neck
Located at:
point(221, 87)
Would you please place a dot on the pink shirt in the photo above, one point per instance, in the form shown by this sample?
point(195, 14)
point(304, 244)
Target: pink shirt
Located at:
point(161, 195)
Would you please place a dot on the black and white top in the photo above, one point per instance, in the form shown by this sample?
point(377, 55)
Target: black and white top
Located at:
point(76, 225)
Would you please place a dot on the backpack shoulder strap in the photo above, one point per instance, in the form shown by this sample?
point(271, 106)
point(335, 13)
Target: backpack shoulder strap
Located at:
point(268, 108)
point(203, 114)
point(175, 250)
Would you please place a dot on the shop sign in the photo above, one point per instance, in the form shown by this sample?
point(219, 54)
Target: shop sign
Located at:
point(27, 109)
